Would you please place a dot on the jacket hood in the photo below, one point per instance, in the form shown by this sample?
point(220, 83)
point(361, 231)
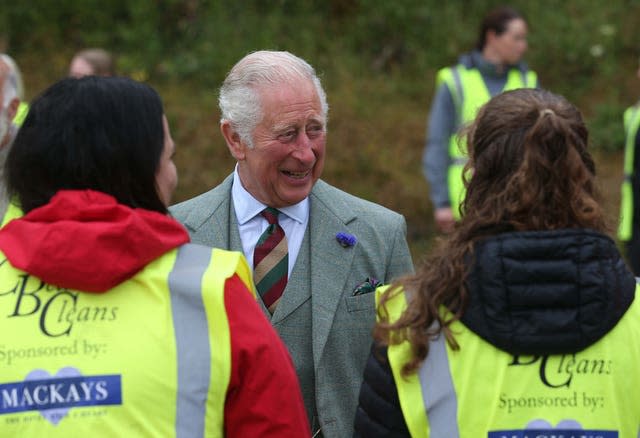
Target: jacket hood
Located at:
point(547, 292)
point(87, 241)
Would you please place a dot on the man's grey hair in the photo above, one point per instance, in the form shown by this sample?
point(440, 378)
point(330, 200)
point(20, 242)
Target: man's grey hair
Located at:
point(239, 98)
point(12, 86)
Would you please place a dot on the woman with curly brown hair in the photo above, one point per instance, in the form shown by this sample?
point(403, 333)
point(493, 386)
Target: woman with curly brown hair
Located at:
point(519, 322)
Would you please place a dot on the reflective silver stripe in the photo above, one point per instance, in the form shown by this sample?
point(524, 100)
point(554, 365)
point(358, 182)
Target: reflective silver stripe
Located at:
point(459, 98)
point(439, 395)
point(192, 340)
point(458, 83)
point(460, 161)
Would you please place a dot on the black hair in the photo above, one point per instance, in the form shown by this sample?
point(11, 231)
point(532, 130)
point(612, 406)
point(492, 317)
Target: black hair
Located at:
point(99, 133)
point(496, 20)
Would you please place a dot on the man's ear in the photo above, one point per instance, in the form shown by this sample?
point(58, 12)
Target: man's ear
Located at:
point(12, 109)
point(234, 143)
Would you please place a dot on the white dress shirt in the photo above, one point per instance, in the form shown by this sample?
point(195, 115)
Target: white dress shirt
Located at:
point(251, 224)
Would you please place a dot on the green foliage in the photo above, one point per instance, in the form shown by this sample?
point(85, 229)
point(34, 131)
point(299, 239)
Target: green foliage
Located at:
point(377, 59)
point(606, 126)
point(574, 43)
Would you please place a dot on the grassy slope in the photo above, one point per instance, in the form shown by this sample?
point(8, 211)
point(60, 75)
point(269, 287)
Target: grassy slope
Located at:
point(374, 149)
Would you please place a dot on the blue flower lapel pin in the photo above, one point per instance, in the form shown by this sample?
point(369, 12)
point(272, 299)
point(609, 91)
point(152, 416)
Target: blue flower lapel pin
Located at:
point(346, 240)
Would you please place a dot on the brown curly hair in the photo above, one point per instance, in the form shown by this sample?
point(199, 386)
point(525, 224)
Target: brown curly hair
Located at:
point(528, 169)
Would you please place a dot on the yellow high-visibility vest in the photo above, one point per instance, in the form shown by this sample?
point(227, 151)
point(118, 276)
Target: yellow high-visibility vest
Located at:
point(148, 358)
point(480, 390)
point(13, 212)
point(631, 124)
point(21, 114)
point(469, 93)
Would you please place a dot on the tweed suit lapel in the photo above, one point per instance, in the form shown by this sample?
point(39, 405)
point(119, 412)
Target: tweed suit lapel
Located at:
point(209, 221)
point(330, 263)
point(235, 243)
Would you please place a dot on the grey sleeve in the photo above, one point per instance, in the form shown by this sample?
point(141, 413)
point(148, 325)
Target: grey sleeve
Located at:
point(399, 262)
point(435, 159)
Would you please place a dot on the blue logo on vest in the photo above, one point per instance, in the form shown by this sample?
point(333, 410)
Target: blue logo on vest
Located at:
point(543, 429)
point(553, 433)
point(54, 395)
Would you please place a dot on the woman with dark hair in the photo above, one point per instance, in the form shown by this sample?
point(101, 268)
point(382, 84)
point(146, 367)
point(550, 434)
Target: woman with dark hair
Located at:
point(103, 135)
point(523, 320)
point(494, 66)
point(113, 324)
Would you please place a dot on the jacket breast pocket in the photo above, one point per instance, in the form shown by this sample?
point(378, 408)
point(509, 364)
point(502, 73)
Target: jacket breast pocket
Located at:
point(361, 303)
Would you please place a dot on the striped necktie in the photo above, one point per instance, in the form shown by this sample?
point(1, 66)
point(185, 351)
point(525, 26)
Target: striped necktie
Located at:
point(271, 261)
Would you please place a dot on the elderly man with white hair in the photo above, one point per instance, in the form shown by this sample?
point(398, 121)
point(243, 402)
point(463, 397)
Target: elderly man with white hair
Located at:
point(317, 252)
point(10, 100)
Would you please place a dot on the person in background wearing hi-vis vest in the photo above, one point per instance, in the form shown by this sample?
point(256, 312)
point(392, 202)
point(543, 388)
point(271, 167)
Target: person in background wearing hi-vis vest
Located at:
point(112, 323)
point(629, 225)
point(13, 96)
point(11, 105)
point(522, 322)
point(494, 66)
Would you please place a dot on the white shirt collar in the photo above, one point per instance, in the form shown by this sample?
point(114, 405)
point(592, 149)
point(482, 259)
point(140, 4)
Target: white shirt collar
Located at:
point(247, 207)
